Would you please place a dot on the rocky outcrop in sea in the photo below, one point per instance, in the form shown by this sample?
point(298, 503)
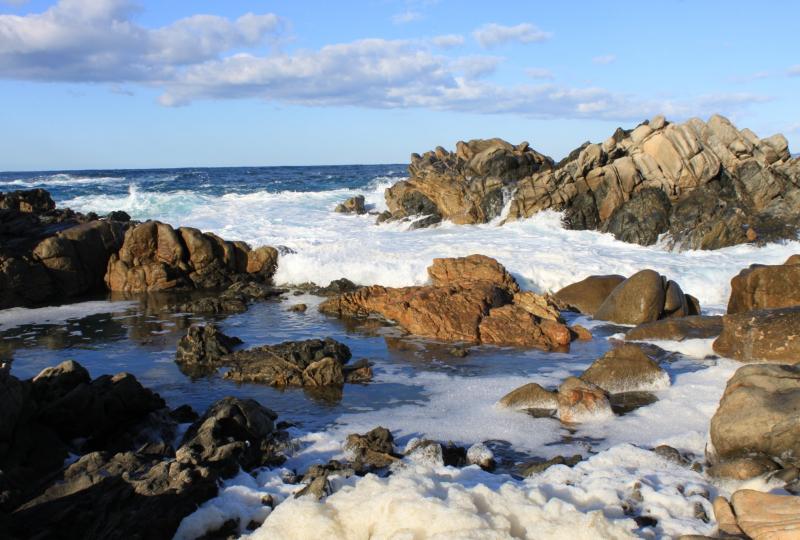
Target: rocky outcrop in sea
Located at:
point(700, 185)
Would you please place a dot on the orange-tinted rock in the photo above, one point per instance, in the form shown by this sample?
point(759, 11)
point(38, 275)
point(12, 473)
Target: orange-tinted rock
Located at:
point(471, 300)
point(465, 271)
point(580, 401)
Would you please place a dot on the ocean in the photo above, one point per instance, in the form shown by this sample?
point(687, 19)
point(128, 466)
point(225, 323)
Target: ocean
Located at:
point(419, 389)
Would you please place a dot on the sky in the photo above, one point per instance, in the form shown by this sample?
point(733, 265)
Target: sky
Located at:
point(139, 84)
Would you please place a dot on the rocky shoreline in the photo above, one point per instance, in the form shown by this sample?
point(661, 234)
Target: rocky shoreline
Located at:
point(72, 447)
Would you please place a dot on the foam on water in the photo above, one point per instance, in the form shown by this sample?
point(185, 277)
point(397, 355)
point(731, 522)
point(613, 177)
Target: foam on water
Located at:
point(327, 246)
point(60, 179)
point(14, 317)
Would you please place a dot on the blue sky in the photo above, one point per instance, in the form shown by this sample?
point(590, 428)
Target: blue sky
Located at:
point(135, 84)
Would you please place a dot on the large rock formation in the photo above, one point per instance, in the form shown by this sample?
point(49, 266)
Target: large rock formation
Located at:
point(471, 299)
point(763, 286)
point(48, 254)
point(706, 185)
point(757, 415)
point(465, 186)
point(156, 257)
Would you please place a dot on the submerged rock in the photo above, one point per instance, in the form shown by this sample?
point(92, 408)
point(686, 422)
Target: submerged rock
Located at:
point(530, 396)
point(312, 362)
point(538, 466)
point(767, 335)
point(202, 348)
point(581, 401)
point(677, 329)
point(626, 368)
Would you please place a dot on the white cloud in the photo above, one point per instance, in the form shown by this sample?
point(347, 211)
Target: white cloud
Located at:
point(448, 40)
point(539, 73)
point(208, 57)
point(406, 17)
point(604, 59)
point(794, 71)
point(492, 34)
point(97, 41)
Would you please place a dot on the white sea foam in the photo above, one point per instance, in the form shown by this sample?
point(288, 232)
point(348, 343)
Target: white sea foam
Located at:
point(327, 245)
point(14, 317)
point(60, 179)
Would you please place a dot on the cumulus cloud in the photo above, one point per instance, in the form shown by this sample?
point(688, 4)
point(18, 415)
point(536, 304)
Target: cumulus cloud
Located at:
point(209, 57)
point(97, 41)
point(539, 73)
point(604, 59)
point(492, 34)
point(406, 17)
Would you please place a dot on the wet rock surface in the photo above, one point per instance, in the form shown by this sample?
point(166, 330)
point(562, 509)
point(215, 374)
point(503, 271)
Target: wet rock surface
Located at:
point(626, 368)
point(49, 254)
point(126, 470)
point(677, 329)
point(472, 299)
point(766, 335)
point(587, 295)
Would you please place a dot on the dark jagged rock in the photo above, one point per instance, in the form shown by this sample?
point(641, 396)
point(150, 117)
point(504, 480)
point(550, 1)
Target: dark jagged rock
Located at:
point(313, 362)
point(538, 466)
point(48, 254)
point(373, 450)
point(130, 476)
point(200, 350)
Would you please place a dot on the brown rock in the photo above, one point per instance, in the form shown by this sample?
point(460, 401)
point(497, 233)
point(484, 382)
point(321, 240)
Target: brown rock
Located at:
point(768, 335)
point(638, 299)
point(580, 401)
point(587, 295)
point(530, 396)
point(723, 514)
point(466, 271)
point(758, 413)
point(512, 325)
point(743, 468)
point(580, 332)
point(693, 327)
point(538, 305)
point(762, 287)
point(626, 369)
point(325, 372)
point(353, 205)
point(793, 259)
point(765, 516)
